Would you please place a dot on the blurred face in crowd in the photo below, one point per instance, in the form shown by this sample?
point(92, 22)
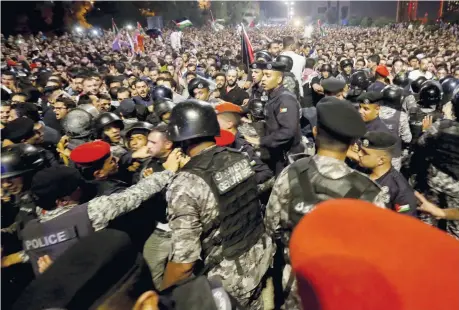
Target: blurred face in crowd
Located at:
point(12, 115)
point(456, 73)
point(5, 114)
point(109, 168)
point(136, 141)
point(154, 74)
point(351, 53)
point(60, 110)
point(194, 61)
point(120, 96)
point(77, 84)
point(325, 74)
point(274, 49)
point(271, 79)
point(431, 67)
point(171, 69)
point(439, 60)
point(368, 111)
point(12, 186)
point(441, 73)
point(424, 65)
point(257, 74)
point(231, 78)
point(158, 145)
point(211, 70)
point(91, 86)
point(113, 132)
point(179, 62)
point(240, 73)
point(18, 99)
point(8, 80)
point(189, 77)
point(359, 65)
point(398, 66)
point(191, 68)
point(60, 68)
point(142, 89)
point(220, 81)
point(168, 59)
point(201, 94)
point(414, 63)
point(103, 105)
point(167, 84)
point(348, 69)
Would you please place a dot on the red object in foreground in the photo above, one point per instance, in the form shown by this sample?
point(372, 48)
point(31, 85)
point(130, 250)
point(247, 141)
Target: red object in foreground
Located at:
point(226, 138)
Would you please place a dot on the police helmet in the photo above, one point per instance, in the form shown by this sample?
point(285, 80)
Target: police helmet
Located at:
point(326, 67)
point(192, 119)
point(161, 92)
point(286, 60)
point(444, 78)
point(139, 127)
point(359, 80)
point(19, 159)
point(448, 86)
point(256, 108)
point(345, 62)
point(77, 124)
point(392, 96)
point(430, 94)
point(90, 109)
point(401, 79)
point(455, 102)
point(417, 84)
point(105, 119)
point(197, 83)
point(163, 106)
point(265, 55)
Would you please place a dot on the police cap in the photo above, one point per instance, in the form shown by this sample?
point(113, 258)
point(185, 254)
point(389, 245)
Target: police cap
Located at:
point(340, 119)
point(370, 97)
point(275, 66)
point(258, 65)
point(19, 129)
point(378, 140)
point(90, 152)
point(228, 107)
point(333, 85)
point(264, 55)
point(197, 83)
point(53, 183)
point(86, 272)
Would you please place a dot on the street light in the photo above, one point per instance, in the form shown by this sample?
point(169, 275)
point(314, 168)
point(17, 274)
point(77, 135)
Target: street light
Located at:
point(94, 32)
point(129, 27)
point(78, 29)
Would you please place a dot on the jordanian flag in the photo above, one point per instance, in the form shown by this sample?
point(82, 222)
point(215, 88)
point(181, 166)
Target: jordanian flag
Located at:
point(321, 30)
point(183, 23)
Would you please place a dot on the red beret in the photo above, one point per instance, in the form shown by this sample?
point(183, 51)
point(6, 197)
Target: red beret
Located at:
point(225, 138)
point(350, 254)
point(228, 107)
point(90, 152)
point(11, 63)
point(382, 70)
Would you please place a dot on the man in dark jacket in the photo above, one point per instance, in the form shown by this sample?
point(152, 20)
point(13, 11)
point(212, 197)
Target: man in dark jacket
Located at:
point(233, 92)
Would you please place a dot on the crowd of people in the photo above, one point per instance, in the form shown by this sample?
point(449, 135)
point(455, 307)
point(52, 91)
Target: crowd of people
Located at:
point(324, 174)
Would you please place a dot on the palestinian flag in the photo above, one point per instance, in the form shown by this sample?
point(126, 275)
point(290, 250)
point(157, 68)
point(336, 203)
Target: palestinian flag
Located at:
point(183, 23)
point(114, 27)
point(247, 50)
point(321, 30)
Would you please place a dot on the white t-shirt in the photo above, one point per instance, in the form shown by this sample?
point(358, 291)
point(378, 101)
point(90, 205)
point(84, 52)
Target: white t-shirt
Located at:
point(298, 66)
point(413, 75)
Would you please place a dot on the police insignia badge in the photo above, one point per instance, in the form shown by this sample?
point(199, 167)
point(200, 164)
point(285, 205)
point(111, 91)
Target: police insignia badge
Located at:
point(264, 98)
point(365, 143)
point(200, 85)
point(269, 66)
point(366, 101)
point(233, 175)
point(254, 66)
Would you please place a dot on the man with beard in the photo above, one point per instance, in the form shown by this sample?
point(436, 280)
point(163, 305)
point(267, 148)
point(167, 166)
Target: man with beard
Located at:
point(233, 93)
point(4, 113)
point(90, 86)
point(220, 81)
point(274, 48)
point(143, 91)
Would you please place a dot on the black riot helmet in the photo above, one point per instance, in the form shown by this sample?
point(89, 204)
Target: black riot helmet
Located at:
point(448, 86)
point(89, 108)
point(430, 94)
point(392, 96)
point(326, 67)
point(444, 78)
point(257, 108)
point(192, 119)
point(359, 80)
point(163, 106)
point(139, 128)
point(286, 60)
point(161, 92)
point(77, 124)
point(263, 56)
point(19, 159)
point(417, 84)
point(345, 62)
point(401, 79)
point(455, 102)
point(105, 119)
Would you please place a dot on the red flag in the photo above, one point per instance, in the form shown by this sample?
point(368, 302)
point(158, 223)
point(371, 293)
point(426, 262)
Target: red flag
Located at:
point(247, 50)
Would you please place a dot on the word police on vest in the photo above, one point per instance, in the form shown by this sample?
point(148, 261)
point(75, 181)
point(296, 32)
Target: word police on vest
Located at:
point(235, 174)
point(51, 239)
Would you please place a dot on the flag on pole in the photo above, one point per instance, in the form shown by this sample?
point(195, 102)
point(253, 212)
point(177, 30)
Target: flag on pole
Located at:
point(131, 43)
point(115, 29)
point(247, 50)
point(321, 30)
point(116, 44)
point(183, 23)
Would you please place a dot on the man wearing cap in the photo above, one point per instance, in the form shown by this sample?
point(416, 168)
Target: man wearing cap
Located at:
point(369, 108)
point(233, 93)
point(381, 74)
point(283, 135)
point(229, 119)
point(66, 218)
point(334, 87)
point(199, 89)
point(376, 152)
point(323, 176)
point(256, 91)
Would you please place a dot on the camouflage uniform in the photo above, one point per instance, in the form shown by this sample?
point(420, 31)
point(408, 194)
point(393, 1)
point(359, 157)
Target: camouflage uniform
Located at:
point(117, 150)
point(441, 189)
point(277, 220)
point(192, 206)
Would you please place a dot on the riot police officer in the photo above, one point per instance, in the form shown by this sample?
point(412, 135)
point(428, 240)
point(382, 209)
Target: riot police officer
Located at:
point(256, 91)
point(289, 81)
point(227, 229)
point(358, 84)
point(283, 135)
point(317, 89)
point(346, 66)
point(402, 80)
point(392, 115)
point(108, 127)
point(199, 89)
point(416, 86)
point(448, 86)
point(163, 109)
point(324, 176)
point(263, 56)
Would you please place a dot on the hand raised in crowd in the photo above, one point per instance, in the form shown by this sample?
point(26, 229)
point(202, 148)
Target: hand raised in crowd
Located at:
point(427, 122)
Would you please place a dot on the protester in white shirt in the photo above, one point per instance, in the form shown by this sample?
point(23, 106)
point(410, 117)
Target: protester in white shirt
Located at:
point(422, 71)
point(298, 61)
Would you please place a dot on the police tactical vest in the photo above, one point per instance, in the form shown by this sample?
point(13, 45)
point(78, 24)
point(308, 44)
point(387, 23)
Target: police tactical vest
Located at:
point(416, 117)
point(231, 179)
point(446, 149)
point(55, 236)
point(393, 124)
point(309, 187)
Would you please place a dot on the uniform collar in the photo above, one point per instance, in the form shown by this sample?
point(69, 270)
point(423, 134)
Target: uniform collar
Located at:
point(45, 215)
